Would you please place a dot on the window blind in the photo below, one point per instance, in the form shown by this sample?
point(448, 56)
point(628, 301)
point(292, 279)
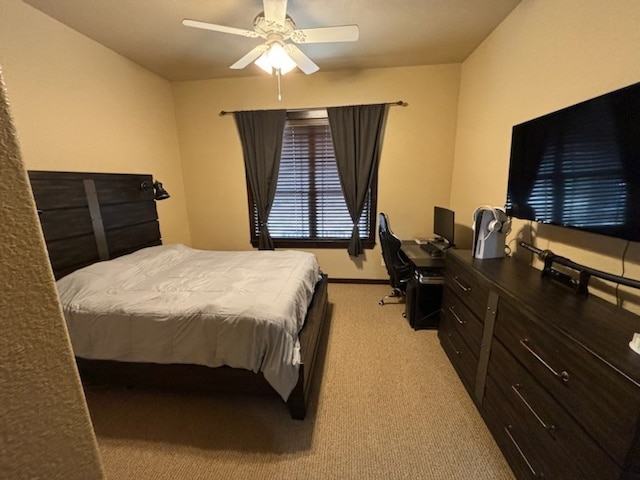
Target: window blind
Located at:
point(309, 204)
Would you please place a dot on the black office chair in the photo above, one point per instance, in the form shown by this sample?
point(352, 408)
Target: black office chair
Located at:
point(397, 263)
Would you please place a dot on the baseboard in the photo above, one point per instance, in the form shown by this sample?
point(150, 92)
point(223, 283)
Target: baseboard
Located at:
point(371, 281)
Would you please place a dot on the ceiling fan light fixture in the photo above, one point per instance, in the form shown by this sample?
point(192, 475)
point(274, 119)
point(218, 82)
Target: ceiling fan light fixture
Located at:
point(264, 63)
point(276, 58)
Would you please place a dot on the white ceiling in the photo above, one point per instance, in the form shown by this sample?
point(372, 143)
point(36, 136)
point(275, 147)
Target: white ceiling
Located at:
point(392, 32)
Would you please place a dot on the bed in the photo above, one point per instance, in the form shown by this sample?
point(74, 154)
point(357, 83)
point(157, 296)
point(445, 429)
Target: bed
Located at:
point(104, 242)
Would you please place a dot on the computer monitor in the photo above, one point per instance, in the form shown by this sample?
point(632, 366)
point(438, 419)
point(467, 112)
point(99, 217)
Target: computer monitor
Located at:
point(444, 225)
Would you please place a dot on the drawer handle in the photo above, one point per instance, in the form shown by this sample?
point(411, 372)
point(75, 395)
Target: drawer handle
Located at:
point(455, 315)
point(453, 345)
point(564, 375)
point(516, 388)
point(507, 430)
point(463, 287)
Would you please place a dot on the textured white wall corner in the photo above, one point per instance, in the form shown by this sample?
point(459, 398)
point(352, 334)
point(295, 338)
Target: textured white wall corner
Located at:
point(45, 429)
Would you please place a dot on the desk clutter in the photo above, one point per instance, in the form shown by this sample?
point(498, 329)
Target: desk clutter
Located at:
point(416, 268)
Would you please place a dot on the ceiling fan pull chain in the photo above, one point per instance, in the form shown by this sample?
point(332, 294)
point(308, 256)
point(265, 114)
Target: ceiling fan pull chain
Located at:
point(279, 90)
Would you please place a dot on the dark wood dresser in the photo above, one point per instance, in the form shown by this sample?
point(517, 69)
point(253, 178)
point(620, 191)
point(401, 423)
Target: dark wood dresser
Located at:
point(550, 371)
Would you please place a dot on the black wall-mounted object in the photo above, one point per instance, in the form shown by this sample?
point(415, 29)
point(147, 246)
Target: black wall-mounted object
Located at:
point(581, 283)
point(579, 167)
point(159, 193)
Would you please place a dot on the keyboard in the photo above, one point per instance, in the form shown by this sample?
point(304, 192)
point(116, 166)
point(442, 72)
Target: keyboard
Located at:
point(431, 249)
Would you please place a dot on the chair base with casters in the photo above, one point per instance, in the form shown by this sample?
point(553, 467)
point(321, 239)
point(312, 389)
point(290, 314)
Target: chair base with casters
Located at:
point(395, 293)
point(398, 266)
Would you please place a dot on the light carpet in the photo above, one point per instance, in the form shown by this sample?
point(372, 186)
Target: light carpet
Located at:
point(389, 406)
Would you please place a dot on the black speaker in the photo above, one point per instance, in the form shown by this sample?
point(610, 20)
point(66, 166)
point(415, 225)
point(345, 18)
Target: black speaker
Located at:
point(423, 300)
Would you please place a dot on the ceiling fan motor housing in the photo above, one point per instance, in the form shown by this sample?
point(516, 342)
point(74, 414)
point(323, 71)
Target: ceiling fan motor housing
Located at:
point(266, 27)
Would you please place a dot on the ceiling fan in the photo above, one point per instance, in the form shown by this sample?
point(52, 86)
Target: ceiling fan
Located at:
point(276, 55)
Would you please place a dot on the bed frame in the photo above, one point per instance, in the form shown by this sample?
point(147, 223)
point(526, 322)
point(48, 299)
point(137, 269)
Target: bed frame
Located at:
point(90, 217)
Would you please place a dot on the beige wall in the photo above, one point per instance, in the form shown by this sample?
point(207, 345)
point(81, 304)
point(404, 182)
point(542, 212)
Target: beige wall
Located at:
point(415, 166)
point(545, 56)
point(80, 107)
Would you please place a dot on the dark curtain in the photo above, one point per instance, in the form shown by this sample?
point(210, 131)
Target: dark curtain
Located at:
point(357, 140)
point(261, 137)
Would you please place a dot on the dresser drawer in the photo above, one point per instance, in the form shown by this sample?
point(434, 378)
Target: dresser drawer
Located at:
point(557, 434)
point(600, 399)
point(465, 283)
point(463, 320)
point(519, 447)
point(528, 456)
point(461, 357)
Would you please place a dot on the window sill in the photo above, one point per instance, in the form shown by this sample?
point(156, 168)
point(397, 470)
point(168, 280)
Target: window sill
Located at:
point(306, 243)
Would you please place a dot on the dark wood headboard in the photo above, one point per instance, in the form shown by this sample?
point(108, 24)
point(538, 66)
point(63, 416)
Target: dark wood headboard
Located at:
point(89, 217)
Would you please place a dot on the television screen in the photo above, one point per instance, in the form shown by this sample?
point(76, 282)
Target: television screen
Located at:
point(444, 224)
point(579, 167)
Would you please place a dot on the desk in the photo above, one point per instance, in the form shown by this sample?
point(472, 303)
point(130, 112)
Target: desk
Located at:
point(422, 305)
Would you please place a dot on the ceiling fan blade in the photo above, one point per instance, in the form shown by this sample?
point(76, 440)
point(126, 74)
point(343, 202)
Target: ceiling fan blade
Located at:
point(219, 28)
point(250, 57)
point(304, 63)
point(344, 33)
point(275, 11)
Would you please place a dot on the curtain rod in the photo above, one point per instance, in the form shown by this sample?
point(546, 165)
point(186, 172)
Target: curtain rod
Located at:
point(399, 103)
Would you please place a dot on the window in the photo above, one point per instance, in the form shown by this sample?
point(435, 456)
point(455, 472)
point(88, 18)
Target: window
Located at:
point(309, 209)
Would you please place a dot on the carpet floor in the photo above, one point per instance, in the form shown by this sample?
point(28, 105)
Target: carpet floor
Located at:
point(389, 405)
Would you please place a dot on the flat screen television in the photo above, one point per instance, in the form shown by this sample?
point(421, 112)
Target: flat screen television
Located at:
point(579, 167)
point(444, 225)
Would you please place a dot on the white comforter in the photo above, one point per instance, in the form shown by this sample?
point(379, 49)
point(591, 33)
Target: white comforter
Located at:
point(174, 304)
